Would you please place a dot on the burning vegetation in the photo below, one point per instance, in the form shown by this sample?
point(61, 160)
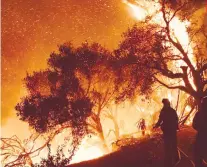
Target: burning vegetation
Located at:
point(92, 97)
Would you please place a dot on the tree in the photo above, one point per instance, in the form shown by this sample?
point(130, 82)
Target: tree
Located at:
point(56, 160)
point(14, 152)
point(151, 53)
point(56, 100)
point(71, 94)
point(112, 114)
point(98, 85)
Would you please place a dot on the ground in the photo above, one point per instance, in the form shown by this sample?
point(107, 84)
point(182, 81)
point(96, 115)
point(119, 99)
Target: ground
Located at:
point(147, 152)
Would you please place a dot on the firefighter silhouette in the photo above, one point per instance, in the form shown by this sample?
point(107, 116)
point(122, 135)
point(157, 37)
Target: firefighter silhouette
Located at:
point(200, 125)
point(141, 125)
point(168, 121)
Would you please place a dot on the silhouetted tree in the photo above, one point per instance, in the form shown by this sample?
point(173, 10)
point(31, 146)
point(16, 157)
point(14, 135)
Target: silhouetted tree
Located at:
point(57, 160)
point(56, 99)
point(14, 152)
point(112, 114)
point(150, 54)
point(98, 85)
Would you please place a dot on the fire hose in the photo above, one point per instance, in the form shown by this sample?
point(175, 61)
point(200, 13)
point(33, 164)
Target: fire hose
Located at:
point(184, 154)
point(181, 151)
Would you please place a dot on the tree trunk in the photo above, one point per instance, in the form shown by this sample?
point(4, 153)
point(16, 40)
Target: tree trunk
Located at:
point(198, 103)
point(186, 118)
point(104, 145)
point(116, 128)
point(101, 136)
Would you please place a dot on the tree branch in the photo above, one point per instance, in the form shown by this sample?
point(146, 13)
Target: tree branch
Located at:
point(176, 44)
point(176, 11)
point(203, 68)
point(170, 74)
point(172, 87)
point(24, 156)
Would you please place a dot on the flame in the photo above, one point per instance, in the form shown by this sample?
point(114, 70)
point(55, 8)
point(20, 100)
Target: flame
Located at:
point(178, 28)
point(87, 152)
point(170, 97)
point(138, 11)
point(141, 9)
point(179, 32)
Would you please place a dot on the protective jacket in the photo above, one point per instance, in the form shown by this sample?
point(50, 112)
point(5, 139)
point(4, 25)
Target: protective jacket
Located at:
point(168, 120)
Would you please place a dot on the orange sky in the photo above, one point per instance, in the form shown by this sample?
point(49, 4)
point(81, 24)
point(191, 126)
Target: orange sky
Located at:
point(32, 29)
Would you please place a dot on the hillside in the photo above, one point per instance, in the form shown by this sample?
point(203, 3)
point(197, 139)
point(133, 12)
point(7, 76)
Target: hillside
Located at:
point(146, 153)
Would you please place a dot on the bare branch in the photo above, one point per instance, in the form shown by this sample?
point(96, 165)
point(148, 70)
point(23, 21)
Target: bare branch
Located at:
point(176, 11)
point(172, 87)
point(176, 44)
point(203, 68)
point(170, 74)
point(92, 127)
point(166, 72)
point(111, 130)
point(187, 116)
point(15, 150)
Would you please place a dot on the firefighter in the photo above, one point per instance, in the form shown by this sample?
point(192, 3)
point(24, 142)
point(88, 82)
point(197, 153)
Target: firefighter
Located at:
point(142, 126)
point(200, 125)
point(168, 121)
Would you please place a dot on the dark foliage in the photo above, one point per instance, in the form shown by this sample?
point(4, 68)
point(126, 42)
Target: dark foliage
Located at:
point(57, 160)
point(138, 55)
point(151, 53)
point(56, 98)
point(55, 95)
point(145, 57)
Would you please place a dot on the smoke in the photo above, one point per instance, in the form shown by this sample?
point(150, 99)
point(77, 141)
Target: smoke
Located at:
point(31, 30)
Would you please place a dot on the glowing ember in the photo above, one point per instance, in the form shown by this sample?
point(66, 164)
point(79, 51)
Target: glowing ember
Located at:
point(140, 9)
point(139, 12)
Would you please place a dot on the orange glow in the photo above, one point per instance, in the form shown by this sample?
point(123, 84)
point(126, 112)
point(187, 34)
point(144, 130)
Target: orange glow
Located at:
point(85, 153)
point(178, 28)
point(31, 30)
point(142, 9)
point(36, 59)
point(138, 11)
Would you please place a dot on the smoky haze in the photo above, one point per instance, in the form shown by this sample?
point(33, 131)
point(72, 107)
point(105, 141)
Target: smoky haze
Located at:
point(32, 29)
